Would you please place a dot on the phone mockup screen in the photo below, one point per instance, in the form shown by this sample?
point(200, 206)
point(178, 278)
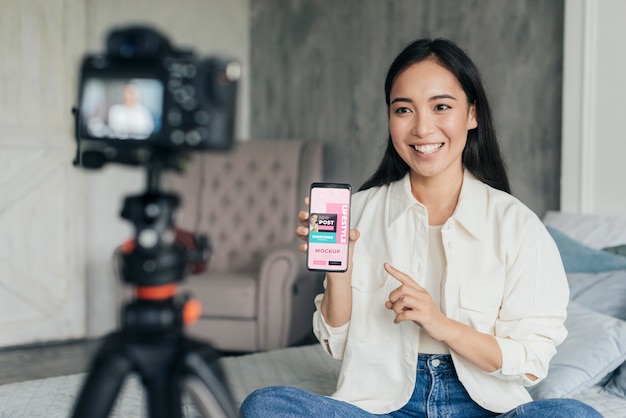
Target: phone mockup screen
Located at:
point(329, 226)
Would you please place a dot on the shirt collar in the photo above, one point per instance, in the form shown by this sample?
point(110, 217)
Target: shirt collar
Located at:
point(470, 210)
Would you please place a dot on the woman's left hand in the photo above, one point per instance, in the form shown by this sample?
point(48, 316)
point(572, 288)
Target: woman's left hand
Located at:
point(412, 302)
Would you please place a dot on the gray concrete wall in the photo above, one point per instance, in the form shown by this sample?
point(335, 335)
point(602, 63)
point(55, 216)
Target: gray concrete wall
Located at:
point(318, 68)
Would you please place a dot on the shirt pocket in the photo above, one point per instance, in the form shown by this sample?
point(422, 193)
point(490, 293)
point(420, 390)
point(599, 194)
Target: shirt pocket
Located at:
point(480, 303)
point(372, 277)
point(369, 277)
point(371, 321)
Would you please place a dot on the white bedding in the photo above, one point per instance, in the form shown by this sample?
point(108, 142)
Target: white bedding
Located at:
point(54, 397)
point(306, 367)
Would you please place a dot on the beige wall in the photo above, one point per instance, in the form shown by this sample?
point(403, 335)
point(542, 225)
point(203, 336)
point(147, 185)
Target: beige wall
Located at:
point(42, 214)
point(594, 142)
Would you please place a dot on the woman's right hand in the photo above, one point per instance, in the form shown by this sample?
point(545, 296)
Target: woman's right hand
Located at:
point(302, 232)
point(336, 304)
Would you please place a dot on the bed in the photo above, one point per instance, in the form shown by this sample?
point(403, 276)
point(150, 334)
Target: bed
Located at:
point(589, 366)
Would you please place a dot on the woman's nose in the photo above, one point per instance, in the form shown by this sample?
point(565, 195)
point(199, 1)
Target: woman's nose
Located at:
point(423, 126)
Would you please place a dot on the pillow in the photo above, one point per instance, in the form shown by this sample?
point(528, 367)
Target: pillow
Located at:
point(602, 292)
point(617, 384)
point(594, 347)
point(618, 249)
point(578, 258)
point(593, 230)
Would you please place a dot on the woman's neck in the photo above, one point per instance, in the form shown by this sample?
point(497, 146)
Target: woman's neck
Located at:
point(439, 194)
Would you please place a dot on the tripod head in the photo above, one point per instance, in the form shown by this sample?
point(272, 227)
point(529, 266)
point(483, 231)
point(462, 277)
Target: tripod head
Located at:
point(154, 262)
point(155, 259)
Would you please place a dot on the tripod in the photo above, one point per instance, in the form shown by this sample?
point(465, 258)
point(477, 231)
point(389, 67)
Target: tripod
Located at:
point(151, 342)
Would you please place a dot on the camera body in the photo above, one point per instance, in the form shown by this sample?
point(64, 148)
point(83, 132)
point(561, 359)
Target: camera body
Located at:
point(145, 102)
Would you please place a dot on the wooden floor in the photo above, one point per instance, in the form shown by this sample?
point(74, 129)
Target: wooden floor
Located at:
point(18, 364)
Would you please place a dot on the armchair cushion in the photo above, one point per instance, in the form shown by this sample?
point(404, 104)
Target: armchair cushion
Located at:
point(217, 291)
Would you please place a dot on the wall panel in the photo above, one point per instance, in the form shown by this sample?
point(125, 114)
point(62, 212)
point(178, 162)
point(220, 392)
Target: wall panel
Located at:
point(318, 70)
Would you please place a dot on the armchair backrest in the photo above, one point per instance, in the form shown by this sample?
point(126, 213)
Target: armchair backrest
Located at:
point(247, 199)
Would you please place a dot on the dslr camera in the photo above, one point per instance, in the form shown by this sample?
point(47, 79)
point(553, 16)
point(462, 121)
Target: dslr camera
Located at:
point(144, 102)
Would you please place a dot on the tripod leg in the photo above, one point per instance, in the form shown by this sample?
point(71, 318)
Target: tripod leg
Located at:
point(164, 396)
point(104, 380)
point(206, 401)
point(203, 379)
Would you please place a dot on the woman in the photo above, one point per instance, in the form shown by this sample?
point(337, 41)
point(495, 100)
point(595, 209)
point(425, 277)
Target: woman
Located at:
point(313, 222)
point(130, 119)
point(456, 296)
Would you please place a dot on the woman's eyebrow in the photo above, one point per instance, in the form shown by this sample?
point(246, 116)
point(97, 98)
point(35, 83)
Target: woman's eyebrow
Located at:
point(441, 96)
point(401, 99)
point(433, 98)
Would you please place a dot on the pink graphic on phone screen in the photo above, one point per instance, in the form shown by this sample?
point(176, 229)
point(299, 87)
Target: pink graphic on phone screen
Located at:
point(329, 228)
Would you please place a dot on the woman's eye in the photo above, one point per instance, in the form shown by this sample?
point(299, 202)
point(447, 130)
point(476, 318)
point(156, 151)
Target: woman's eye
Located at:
point(442, 107)
point(402, 110)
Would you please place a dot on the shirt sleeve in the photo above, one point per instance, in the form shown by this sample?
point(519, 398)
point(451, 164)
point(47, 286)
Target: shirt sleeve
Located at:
point(531, 321)
point(333, 339)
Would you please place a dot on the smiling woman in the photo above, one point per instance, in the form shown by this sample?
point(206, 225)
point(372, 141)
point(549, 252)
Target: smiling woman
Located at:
point(440, 308)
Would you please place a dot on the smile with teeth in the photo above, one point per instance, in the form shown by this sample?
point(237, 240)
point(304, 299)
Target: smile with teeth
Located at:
point(427, 149)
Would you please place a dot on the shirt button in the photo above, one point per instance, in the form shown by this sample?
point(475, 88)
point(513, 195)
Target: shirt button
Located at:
point(436, 362)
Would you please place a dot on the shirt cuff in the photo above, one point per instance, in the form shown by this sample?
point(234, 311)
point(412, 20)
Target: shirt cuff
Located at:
point(512, 369)
point(333, 339)
point(513, 356)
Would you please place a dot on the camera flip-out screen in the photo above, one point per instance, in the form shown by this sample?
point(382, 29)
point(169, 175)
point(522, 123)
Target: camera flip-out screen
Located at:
point(144, 102)
point(121, 108)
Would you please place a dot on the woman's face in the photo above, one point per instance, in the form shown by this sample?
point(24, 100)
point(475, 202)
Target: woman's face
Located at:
point(130, 96)
point(313, 219)
point(429, 118)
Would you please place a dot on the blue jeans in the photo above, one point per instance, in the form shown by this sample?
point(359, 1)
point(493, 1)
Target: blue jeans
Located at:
point(438, 393)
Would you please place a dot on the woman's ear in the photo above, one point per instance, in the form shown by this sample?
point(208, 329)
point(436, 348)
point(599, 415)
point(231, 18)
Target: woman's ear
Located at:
point(472, 119)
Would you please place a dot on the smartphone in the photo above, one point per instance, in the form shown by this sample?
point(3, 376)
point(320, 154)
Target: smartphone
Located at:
point(329, 226)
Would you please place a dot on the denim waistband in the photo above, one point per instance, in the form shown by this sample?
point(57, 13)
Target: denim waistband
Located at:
point(439, 362)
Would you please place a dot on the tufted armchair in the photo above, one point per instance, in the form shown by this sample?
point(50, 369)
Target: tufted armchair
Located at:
point(256, 293)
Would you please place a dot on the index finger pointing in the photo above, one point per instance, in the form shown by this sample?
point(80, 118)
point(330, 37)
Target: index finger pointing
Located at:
point(398, 275)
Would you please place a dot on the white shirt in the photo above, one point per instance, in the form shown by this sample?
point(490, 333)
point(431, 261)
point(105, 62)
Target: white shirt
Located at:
point(130, 122)
point(504, 277)
point(433, 279)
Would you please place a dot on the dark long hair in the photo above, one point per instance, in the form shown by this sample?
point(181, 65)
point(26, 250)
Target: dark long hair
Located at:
point(481, 155)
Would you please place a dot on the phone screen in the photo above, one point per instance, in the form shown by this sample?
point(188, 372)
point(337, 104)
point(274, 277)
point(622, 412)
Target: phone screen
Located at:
point(329, 226)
